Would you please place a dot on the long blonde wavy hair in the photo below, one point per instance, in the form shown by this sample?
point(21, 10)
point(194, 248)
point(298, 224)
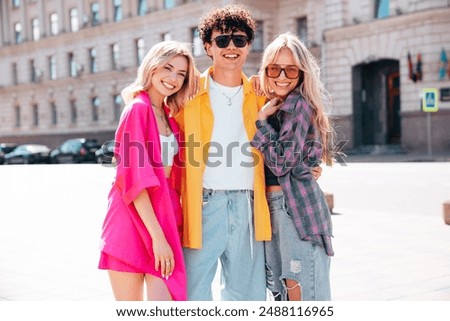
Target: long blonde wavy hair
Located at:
point(156, 58)
point(309, 86)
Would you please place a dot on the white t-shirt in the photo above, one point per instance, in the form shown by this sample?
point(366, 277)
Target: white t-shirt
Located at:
point(230, 162)
point(169, 148)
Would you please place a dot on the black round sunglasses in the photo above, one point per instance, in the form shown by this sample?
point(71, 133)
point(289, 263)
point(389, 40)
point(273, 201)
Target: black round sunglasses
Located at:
point(223, 41)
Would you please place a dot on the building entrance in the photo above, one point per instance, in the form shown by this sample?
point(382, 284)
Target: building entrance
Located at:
point(376, 103)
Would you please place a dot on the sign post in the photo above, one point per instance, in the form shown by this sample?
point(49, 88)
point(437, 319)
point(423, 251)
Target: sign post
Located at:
point(429, 105)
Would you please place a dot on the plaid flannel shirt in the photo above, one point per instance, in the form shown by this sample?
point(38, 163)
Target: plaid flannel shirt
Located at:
point(290, 154)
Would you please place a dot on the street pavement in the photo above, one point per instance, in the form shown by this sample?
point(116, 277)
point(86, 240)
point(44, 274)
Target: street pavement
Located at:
point(391, 241)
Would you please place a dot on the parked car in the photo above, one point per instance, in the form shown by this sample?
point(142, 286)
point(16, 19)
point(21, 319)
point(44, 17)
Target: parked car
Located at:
point(76, 150)
point(28, 154)
point(5, 148)
point(105, 153)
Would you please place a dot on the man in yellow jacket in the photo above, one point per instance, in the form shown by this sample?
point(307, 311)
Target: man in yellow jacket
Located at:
point(226, 216)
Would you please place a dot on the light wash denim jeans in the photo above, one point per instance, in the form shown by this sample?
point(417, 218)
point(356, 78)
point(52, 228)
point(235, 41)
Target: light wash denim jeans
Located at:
point(228, 235)
point(288, 257)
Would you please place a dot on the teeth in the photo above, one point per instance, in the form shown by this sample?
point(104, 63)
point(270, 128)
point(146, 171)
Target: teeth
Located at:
point(168, 86)
point(282, 84)
point(231, 56)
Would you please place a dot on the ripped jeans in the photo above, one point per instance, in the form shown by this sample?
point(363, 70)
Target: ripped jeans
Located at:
point(288, 257)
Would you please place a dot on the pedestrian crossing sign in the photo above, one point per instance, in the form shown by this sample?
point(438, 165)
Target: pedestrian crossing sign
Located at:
point(430, 99)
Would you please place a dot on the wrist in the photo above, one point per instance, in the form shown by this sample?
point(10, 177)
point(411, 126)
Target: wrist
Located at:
point(262, 116)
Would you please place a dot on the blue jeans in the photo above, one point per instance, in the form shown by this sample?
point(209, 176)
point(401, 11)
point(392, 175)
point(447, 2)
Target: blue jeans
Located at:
point(228, 235)
point(288, 257)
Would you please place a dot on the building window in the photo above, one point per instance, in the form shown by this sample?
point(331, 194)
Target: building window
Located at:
point(52, 67)
point(15, 78)
point(53, 113)
point(381, 9)
point(33, 75)
point(74, 21)
point(95, 102)
point(302, 29)
point(142, 7)
point(166, 36)
point(93, 60)
point(35, 111)
point(168, 4)
point(95, 13)
point(258, 42)
point(140, 50)
point(73, 72)
point(73, 112)
point(16, 3)
point(118, 103)
point(36, 32)
point(197, 44)
point(117, 4)
point(17, 116)
point(115, 56)
point(54, 24)
point(18, 32)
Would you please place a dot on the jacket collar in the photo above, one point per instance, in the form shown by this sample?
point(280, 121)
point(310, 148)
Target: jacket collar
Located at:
point(290, 102)
point(204, 83)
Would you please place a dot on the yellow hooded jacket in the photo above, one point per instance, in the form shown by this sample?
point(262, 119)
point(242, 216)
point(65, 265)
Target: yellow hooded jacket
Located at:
point(196, 122)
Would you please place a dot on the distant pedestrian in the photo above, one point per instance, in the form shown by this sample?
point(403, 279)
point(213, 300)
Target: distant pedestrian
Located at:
point(140, 239)
point(294, 136)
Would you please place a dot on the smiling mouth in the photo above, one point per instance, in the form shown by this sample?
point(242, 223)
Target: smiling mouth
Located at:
point(168, 86)
point(231, 56)
point(282, 84)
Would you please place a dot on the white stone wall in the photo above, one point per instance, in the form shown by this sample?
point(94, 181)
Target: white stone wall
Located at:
point(344, 33)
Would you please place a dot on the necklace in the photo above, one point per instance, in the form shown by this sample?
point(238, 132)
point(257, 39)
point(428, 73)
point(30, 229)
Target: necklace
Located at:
point(163, 119)
point(230, 98)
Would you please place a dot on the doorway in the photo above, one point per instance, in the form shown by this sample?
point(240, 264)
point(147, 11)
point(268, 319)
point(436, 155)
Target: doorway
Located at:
point(376, 103)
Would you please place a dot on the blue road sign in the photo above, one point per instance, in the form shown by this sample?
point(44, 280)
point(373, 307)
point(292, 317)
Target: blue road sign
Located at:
point(430, 100)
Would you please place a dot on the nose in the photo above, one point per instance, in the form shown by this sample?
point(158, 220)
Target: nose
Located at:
point(173, 75)
point(282, 72)
point(231, 44)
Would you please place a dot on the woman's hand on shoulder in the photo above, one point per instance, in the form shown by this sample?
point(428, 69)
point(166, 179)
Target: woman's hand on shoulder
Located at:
point(256, 84)
point(196, 85)
point(270, 108)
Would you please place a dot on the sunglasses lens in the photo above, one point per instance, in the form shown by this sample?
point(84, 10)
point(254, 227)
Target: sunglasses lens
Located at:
point(222, 41)
point(239, 41)
point(273, 71)
point(292, 72)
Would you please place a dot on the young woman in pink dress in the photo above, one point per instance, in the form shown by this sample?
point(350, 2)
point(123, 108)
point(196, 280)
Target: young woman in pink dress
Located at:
point(141, 239)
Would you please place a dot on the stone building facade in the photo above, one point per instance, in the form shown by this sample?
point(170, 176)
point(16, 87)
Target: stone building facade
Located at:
point(64, 63)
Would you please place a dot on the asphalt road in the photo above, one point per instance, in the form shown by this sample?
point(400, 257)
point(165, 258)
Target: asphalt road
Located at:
point(391, 242)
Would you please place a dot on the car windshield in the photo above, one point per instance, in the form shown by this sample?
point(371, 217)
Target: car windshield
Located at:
point(36, 148)
point(91, 143)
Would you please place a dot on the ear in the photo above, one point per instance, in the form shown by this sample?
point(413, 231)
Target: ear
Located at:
point(207, 47)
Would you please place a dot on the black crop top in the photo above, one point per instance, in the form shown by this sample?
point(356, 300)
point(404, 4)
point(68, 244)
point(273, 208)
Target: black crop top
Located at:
point(271, 179)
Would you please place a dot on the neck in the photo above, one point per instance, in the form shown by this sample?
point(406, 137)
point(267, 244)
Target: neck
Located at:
point(227, 78)
point(156, 98)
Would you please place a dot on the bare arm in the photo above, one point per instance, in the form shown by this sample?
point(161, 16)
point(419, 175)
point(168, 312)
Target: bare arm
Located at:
point(161, 249)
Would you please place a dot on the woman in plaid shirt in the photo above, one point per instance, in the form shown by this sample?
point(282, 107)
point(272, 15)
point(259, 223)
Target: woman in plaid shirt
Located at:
point(294, 136)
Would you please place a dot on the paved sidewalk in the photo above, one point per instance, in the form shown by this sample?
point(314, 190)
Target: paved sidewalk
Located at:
point(49, 229)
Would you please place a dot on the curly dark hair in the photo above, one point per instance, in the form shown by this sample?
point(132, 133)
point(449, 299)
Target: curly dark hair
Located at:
point(233, 17)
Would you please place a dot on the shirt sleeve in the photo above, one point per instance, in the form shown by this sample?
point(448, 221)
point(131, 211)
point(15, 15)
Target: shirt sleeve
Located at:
point(283, 150)
point(135, 168)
